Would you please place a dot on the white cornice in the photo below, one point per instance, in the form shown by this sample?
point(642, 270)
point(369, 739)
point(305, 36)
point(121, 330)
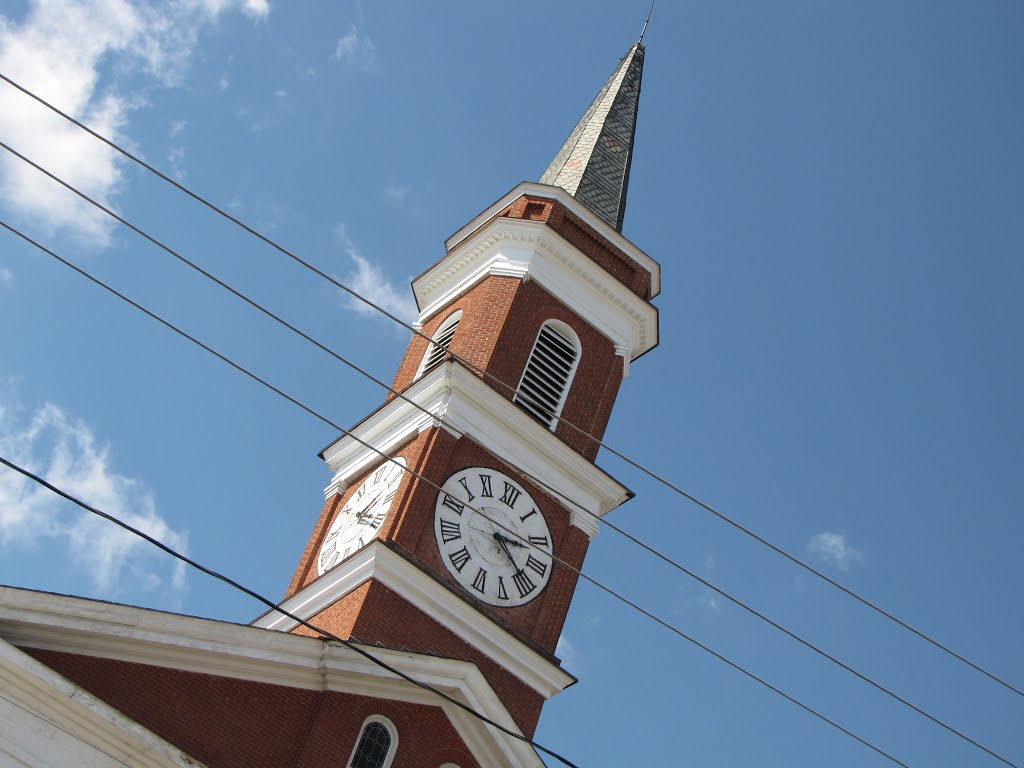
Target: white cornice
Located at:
point(469, 407)
point(126, 633)
point(578, 209)
point(532, 250)
point(378, 562)
point(54, 718)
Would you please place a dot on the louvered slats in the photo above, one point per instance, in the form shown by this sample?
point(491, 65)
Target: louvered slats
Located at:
point(439, 348)
point(547, 375)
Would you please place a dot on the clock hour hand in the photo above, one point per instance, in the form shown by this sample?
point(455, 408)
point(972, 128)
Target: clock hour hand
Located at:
point(514, 542)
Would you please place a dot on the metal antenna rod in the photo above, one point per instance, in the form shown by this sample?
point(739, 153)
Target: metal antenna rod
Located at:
point(646, 22)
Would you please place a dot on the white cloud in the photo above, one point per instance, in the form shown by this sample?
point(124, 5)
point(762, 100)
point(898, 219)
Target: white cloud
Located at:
point(369, 280)
point(280, 93)
point(355, 48)
point(6, 276)
point(708, 597)
point(64, 451)
point(397, 193)
point(177, 128)
point(833, 549)
point(566, 651)
point(56, 51)
point(225, 82)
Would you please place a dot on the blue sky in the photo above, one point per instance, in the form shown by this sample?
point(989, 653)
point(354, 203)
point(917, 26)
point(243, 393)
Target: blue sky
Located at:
point(834, 190)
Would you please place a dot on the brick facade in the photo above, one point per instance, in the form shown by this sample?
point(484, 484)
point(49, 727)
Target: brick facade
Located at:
point(229, 723)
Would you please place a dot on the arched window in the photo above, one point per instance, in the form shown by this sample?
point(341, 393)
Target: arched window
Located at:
point(549, 372)
point(438, 348)
point(378, 742)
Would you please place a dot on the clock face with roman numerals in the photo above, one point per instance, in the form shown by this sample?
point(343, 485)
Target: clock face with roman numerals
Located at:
point(492, 537)
point(357, 522)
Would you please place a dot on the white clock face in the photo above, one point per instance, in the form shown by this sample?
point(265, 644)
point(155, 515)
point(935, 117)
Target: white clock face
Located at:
point(500, 554)
point(358, 521)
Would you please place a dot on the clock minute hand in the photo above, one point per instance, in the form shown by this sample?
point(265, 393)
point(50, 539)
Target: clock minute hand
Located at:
point(501, 540)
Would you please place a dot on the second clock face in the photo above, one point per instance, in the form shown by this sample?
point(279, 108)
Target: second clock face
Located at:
point(357, 522)
point(492, 537)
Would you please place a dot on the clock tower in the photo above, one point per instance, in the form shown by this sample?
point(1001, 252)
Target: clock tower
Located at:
point(460, 510)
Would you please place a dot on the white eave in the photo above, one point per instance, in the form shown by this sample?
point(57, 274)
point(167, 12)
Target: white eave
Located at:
point(383, 565)
point(578, 209)
point(454, 399)
point(531, 250)
point(126, 633)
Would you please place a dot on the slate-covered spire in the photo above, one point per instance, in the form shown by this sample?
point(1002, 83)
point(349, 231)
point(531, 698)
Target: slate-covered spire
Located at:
point(593, 164)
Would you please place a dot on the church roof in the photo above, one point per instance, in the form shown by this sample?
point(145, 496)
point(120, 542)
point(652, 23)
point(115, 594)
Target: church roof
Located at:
point(593, 164)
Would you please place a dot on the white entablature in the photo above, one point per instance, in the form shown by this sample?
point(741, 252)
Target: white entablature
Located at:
point(532, 250)
point(455, 399)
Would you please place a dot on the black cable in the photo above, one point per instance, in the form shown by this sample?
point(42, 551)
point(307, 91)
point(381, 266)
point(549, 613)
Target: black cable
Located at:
point(579, 572)
point(653, 475)
point(678, 566)
point(277, 607)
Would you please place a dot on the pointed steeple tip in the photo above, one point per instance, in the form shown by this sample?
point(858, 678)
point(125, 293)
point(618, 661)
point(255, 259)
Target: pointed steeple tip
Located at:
point(593, 164)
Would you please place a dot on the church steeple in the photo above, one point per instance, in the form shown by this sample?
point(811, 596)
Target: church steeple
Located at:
point(593, 164)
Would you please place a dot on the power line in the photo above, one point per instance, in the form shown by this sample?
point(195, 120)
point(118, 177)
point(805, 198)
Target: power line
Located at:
point(277, 607)
point(675, 630)
point(675, 564)
point(650, 473)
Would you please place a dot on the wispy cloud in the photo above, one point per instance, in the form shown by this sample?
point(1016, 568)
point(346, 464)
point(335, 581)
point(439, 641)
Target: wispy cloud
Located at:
point(6, 276)
point(65, 451)
point(397, 193)
point(367, 279)
point(177, 128)
point(355, 47)
point(832, 548)
point(57, 50)
point(570, 658)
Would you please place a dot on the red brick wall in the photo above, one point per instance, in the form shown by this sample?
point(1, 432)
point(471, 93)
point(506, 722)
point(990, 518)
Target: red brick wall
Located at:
point(373, 615)
point(500, 322)
point(228, 723)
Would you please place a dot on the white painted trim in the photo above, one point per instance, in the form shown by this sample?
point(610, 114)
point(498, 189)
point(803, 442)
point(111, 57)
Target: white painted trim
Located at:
point(578, 209)
point(83, 724)
point(378, 562)
point(173, 641)
point(533, 249)
point(470, 407)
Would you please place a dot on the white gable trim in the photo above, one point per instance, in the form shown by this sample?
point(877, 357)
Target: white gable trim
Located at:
point(532, 250)
point(469, 407)
point(127, 633)
point(378, 562)
point(46, 720)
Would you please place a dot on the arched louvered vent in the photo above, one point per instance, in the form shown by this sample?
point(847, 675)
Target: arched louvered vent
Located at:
point(438, 349)
point(546, 380)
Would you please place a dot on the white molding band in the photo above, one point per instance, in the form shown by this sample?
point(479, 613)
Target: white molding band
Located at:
point(126, 633)
point(531, 249)
point(378, 562)
point(470, 407)
point(578, 209)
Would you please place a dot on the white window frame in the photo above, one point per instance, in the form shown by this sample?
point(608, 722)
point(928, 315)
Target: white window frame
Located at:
point(453, 319)
point(392, 732)
point(566, 331)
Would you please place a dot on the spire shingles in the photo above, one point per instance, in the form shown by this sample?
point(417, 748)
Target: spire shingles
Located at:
point(593, 164)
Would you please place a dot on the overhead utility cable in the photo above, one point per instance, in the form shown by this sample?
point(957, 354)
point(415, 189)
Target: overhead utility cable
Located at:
point(678, 566)
point(277, 607)
point(650, 473)
point(586, 577)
